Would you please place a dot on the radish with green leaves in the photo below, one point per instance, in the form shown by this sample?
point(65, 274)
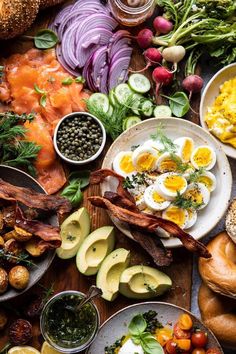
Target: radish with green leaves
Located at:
point(162, 77)
point(174, 54)
point(162, 25)
point(192, 84)
point(144, 38)
point(152, 56)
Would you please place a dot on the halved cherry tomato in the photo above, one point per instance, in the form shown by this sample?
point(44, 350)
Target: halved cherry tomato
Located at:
point(185, 322)
point(183, 344)
point(213, 351)
point(199, 339)
point(163, 335)
point(199, 351)
point(171, 347)
point(180, 333)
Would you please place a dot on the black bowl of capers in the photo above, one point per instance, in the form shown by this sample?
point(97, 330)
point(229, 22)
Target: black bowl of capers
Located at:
point(79, 138)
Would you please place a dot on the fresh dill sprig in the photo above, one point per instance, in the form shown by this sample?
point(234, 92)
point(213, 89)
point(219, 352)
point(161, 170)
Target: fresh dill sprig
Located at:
point(21, 258)
point(10, 119)
point(186, 203)
point(167, 143)
point(131, 182)
point(181, 166)
point(113, 123)
point(194, 176)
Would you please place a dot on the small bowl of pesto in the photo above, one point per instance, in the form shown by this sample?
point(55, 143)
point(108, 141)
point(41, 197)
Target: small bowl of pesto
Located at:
point(79, 138)
point(65, 330)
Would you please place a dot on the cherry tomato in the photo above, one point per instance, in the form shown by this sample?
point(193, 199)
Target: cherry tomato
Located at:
point(199, 351)
point(199, 339)
point(183, 344)
point(185, 322)
point(163, 335)
point(180, 333)
point(213, 351)
point(171, 347)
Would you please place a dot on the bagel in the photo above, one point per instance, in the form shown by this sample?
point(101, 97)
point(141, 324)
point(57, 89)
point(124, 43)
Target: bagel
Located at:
point(219, 314)
point(46, 3)
point(219, 272)
point(230, 221)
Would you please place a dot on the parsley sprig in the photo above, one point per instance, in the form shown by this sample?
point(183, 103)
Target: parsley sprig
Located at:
point(131, 182)
point(186, 203)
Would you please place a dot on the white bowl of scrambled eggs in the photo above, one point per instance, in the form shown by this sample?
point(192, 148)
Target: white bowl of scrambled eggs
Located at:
point(218, 108)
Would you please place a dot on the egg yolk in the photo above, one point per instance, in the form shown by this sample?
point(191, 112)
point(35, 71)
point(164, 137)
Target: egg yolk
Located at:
point(176, 215)
point(203, 157)
point(157, 198)
point(194, 195)
point(126, 164)
point(187, 150)
point(174, 183)
point(168, 165)
point(146, 161)
point(205, 180)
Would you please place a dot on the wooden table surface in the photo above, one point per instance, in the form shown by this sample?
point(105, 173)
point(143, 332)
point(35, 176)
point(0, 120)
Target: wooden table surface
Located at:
point(63, 273)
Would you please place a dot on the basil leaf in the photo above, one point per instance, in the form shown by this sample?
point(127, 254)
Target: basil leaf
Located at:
point(179, 104)
point(67, 81)
point(38, 90)
point(43, 100)
point(136, 339)
point(80, 79)
point(82, 176)
point(77, 198)
point(137, 325)
point(45, 39)
point(150, 344)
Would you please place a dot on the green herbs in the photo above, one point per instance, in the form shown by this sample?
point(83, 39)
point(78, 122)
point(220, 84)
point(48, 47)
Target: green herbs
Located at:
point(80, 80)
point(134, 180)
point(43, 94)
point(186, 203)
point(194, 176)
point(45, 39)
point(77, 181)
point(152, 321)
point(69, 80)
point(139, 335)
point(179, 104)
point(167, 143)
point(22, 258)
point(180, 166)
point(14, 150)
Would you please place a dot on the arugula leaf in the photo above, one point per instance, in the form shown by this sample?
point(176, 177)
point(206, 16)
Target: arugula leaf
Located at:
point(45, 39)
point(179, 103)
point(137, 325)
point(150, 344)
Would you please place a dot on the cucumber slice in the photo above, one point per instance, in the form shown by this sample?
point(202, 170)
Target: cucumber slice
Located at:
point(162, 111)
point(122, 92)
point(139, 83)
point(110, 111)
point(112, 97)
point(100, 100)
point(147, 108)
point(130, 121)
point(137, 99)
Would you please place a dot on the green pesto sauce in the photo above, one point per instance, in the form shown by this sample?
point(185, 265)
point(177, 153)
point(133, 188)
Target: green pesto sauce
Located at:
point(70, 329)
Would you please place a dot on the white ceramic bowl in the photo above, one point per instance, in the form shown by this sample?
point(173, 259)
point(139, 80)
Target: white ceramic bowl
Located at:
point(93, 157)
point(176, 128)
point(209, 95)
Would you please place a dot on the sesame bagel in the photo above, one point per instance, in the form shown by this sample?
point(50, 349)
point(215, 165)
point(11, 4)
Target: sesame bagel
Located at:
point(16, 16)
point(230, 221)
point(219, 272)
point(219, 314)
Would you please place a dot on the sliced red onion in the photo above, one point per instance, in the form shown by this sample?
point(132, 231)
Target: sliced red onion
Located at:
point(87, 74)
point(118, 72)
point(64, 64)
point(103, 87)
point(94, 4)
point(99, 62)
point(117, 46)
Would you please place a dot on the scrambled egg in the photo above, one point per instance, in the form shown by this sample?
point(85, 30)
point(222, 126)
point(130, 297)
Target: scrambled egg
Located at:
point(221, 117)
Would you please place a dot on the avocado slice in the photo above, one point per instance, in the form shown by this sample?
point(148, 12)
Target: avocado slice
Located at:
point(74, 229)
point(143, 282)
point(94, 249)
point(108, 276)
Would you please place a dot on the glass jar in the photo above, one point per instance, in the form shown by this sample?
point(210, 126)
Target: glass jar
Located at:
point(130, 15)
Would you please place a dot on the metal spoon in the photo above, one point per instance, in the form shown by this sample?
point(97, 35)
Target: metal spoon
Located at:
point(91, 294)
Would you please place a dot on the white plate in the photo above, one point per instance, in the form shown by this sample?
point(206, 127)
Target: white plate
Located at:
point(175, 128)
point(117, 325)
point(209, 95)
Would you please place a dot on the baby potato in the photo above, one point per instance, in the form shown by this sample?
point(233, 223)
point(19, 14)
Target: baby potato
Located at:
point(3, 319)
point(12, 246)
point(9, 235)
point(32, 247)
point(22, 235)
point(3, 280)
point(19, 277)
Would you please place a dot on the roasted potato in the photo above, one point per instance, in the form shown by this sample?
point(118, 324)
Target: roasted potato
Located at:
point(13, 247)
point(1, 241)
point(32, 248)
point(3, 280)
point(19, 277)
point(1, 221)
point(9, 214)
point(20, 332)
point(22, 235)
point(9, 235)
point(3, 319)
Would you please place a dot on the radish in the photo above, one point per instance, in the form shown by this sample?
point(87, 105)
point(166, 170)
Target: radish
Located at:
point(174, 54)
point(152, 56)
point(162, 25)
point(192, 84)
point(144, 38)
point(162, 77)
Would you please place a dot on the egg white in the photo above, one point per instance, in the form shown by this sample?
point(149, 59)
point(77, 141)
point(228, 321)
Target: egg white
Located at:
point(192, 218)
point(117, 163)
point(137, 153)
point(150, 201)
point(164, 191)
point(175, 208)
point(212, 178)
point(208, 166)
point(202, 190)
point(180, 143)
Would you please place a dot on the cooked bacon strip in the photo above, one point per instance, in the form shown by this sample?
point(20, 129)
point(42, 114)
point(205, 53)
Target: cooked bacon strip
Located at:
point(33, 199)
point(154, 247)
point(99, 176)
point(150, 224)
point(116, 199)
point(49, 234)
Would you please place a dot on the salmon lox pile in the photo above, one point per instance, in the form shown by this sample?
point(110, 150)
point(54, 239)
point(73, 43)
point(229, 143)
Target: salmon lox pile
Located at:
point(24, 72)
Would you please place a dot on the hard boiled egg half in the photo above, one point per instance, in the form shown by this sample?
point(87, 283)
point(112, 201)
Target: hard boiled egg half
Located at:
point(144, 158)
point(123, 164)
point(154, 200)
point(167, 162)
point(208, 179)
point(203, 157)
point(185, 147)
point(177, 215)
point(170, 185)
point(198, 193)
